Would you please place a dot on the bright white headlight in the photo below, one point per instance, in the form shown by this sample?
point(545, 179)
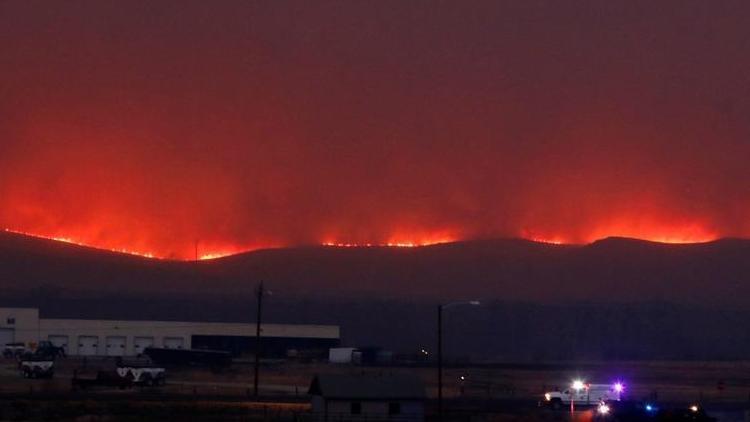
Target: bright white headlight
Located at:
point(603, 409)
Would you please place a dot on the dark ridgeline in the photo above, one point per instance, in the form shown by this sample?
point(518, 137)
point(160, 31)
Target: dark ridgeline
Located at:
point(614, 299)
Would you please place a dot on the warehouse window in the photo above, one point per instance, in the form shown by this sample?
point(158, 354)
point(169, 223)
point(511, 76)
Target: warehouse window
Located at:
point(356, 408)
point(11, 321)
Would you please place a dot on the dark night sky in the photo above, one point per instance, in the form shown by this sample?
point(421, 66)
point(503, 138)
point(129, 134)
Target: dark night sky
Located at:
point(147, 125)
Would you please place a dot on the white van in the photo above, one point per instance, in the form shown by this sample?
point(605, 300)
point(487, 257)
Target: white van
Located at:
point(584, 395)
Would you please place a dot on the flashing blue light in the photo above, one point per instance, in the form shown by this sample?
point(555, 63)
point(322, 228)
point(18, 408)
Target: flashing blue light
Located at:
point(650, 408)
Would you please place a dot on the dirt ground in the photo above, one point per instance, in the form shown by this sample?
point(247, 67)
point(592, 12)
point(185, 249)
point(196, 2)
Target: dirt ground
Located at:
point(283, 385)
point(665, 381)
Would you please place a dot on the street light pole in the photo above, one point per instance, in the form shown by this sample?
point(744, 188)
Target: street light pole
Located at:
point(440, 348)
point(257, 338)
point(440, 361)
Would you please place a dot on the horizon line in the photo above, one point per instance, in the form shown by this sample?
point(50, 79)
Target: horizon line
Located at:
point(341, 245)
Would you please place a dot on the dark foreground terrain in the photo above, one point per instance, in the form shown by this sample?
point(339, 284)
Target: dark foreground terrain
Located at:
point(487, 392)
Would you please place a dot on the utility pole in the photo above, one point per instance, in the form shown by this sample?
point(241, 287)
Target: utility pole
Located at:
point(260, 292)
point(440, 360)
point(440, 348)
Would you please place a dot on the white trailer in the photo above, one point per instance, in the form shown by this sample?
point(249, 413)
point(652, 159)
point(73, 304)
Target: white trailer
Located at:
point(37, 368)
point(341, 354)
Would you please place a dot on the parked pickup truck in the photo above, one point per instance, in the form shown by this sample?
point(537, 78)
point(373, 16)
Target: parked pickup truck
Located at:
point(14, 350)
point(583, 394)
point(43, 349)
point(47, 349)
point(37, 367)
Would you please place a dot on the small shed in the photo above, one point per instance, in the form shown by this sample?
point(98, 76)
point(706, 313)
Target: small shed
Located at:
point(361, 397)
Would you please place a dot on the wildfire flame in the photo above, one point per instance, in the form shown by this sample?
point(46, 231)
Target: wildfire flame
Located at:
point(550, 241)
point(217, 255)
point(676, 233)
point(649, 230)
point(78, 243)
point(401, 240)
point(202, 256)
point(381, 245)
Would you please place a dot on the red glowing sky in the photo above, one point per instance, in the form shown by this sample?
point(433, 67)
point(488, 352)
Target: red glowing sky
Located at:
point(146, 126)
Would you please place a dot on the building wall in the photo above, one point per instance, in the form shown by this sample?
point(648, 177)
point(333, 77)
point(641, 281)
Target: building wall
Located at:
point(22, 324)
point(76, 329)
point(28, 328)
point(270, 346)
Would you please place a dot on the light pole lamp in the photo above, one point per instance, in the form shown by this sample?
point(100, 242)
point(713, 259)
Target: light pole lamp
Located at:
point(440, 347)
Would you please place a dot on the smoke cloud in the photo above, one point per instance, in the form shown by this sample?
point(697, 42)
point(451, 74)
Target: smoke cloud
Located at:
point(151, 126)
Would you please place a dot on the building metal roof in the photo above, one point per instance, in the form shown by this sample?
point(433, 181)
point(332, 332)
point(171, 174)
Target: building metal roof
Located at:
point(368, 387)
point(135, 327)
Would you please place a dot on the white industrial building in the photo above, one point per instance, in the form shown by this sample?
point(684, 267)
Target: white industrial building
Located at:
point(88, 337)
